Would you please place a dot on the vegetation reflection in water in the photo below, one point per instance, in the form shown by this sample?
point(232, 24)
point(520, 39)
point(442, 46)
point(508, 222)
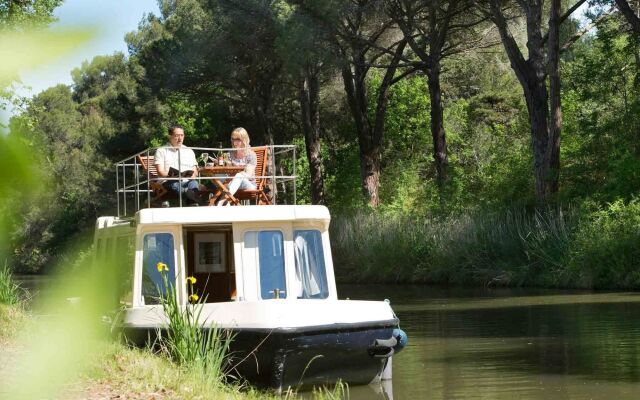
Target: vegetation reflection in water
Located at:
point(507, 344)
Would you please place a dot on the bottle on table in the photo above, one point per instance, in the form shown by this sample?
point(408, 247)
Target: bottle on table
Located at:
point(220, 155)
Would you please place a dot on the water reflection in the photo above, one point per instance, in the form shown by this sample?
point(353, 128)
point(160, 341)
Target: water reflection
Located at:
point(506, 344)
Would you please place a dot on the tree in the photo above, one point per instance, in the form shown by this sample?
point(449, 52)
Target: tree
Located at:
point(630, 15)
point(435, 30)
point(25, 14)
point(361, 34)
point(19, 16)
point(543, 103)
point(201, 49)
point(307, 59)
point(77, 132)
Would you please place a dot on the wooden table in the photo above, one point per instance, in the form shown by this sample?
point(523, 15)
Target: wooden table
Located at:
point(220, 176)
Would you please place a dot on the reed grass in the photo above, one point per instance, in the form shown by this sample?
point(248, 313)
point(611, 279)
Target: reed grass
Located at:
point(338, 392)
point(188, 341)
point(9, 289)
point(511, 248)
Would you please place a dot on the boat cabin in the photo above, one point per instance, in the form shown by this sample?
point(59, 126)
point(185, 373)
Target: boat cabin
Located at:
point(243, 253)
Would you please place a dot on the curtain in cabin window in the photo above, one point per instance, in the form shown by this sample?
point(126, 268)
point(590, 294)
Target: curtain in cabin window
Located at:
point(311, 274)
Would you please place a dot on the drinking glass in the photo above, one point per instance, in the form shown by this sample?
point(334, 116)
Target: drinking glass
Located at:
point(205, 157)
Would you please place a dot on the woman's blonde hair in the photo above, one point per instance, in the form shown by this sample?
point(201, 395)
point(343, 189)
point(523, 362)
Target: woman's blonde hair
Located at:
point(242, 134)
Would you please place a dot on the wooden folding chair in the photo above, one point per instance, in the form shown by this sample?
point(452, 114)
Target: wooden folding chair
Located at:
point(258, 194)
point(155, 184)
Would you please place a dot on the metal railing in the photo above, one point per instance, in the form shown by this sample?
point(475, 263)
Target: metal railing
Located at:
point(133, 181)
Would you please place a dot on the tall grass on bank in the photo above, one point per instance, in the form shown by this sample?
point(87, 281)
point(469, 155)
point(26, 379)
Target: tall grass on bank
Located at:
point(9, 289)
point(591, 246)
point(470, 249)
point(186, 341)
point(339, 392)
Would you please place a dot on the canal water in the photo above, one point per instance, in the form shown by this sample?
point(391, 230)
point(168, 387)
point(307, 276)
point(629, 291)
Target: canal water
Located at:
point(510, 344)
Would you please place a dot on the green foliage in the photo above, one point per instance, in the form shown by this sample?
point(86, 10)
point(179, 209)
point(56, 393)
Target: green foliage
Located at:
point(26, 14)
point(600, 147)
point(72, 172)
point(605, 252)
point(487, 137)
point(74, 134)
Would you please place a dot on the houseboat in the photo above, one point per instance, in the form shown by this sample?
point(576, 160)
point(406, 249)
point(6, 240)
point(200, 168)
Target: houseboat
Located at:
point(267, 275)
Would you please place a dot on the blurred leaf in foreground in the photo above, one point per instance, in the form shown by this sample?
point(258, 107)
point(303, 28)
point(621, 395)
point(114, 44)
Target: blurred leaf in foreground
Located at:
point(21, 51)
point(68, 335)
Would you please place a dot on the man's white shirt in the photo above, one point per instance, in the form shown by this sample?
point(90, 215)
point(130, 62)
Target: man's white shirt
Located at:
point(170, 157)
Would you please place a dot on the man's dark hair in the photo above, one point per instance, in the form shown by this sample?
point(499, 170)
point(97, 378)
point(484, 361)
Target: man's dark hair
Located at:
point(174, 127)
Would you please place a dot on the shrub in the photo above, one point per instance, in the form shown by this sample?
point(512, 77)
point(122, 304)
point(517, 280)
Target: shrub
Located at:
point(605, 251)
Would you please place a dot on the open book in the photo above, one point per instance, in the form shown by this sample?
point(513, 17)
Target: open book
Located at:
point(174, 173)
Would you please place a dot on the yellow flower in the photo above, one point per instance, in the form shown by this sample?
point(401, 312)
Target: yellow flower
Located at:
point(191, 280)
point(193, 298)
point(162, 267)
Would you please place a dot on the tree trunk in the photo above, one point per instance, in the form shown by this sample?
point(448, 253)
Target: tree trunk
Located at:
point(531, 75)
point(370, 138)
point(631, 16)
point(536, 99)
point(310, 111)
point(354, 83)
point(554, 93)
point(262, 110)
point(440, 154)
point(430, 51)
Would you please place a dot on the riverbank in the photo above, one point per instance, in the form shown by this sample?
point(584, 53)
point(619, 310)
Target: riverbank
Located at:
point(115, 370)
point(587, 247)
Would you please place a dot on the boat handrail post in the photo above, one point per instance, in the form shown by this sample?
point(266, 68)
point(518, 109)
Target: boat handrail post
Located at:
point(148, 179)
point(179, 177)
point(118, 190)
point(137, 176)
point(124, 184)
point(274, 187)
point(295, 199)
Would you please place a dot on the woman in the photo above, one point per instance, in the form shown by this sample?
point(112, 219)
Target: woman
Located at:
point(242, 155)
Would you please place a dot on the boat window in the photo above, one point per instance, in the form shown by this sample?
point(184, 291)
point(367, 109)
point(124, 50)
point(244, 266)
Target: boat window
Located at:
point(311, 274)
point(269, 253)
point(158, 247)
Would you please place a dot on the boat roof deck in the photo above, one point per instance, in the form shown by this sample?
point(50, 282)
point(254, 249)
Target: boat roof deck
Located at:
point(135, 183)
point(221, 215)
point(207, 215)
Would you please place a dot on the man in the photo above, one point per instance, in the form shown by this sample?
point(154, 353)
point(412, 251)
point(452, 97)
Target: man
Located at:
point(177, 158)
